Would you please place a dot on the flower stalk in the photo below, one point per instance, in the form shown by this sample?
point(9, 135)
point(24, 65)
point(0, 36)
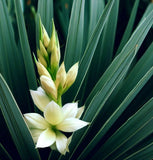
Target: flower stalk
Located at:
point(48, 131)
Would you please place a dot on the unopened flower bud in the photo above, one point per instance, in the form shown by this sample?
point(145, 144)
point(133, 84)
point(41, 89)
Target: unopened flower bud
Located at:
point(55, 58)
point(45, 37)
point(52, 42)
point(42, 49)
point(71, 76)
point(49, 86)
point(42, 70)
point(41, 59)
point(60, 76)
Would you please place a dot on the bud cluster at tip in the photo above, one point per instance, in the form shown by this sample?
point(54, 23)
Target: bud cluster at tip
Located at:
point(53, 77)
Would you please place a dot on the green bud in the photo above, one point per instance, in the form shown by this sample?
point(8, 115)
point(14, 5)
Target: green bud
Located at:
point(52, 42)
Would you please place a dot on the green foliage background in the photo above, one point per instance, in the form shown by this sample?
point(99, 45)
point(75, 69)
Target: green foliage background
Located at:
point(113, 43)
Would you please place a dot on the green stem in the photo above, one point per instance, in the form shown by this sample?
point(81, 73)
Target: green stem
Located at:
point(59, 100)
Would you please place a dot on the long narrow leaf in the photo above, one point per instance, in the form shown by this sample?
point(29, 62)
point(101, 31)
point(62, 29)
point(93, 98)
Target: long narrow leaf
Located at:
point(4, 154)
point(89, 52)
point(74, 42)
point(95, 9)
point(30, 72)
point(143, 65)
point(16, 125)
point(45, 10)
point(120, 109)
point(96, 106)
point(115, 77)
point(86, 60)
point(12, 64)
point(129, 27)
point(136, 39)
point(136, 123)
point(136, 128)
point(145, 153)
point(107, 43)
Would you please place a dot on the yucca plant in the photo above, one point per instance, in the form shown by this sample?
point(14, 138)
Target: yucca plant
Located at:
point(114, 80)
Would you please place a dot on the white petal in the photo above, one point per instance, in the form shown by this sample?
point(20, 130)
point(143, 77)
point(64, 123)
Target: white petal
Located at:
point(46, 138)
point(71, 125)
point(40, 89)
point(40, 98)
point(70, 110)
point(61, 142)
point(80, 112)
point(35, 134)
point(35, 120)
point(53, 113)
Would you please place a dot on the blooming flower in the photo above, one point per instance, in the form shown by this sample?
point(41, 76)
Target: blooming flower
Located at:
point(49, 130)
point(40, 98)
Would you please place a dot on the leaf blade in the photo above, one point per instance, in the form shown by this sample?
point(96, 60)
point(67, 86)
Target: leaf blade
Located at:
point(16, 125)
point(30, 72)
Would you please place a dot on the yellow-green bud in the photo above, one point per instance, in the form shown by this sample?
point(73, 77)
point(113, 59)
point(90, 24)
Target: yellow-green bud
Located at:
point(71, 76)
point(45, 37)
point(49, 86)
point(42, 49)
point(52, 42)
point(42, 70)
point(41, 59)
point(61, 76)
point(55, 57)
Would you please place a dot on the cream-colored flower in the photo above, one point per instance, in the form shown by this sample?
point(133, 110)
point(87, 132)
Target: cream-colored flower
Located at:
point(42, 70)
point(45, 37)
point(49, 86)
point(71, 76)
point(46, 131)
point(40, 98)
point(41, 59)
point(60, 77)
point(53, 39)
point(42, 49)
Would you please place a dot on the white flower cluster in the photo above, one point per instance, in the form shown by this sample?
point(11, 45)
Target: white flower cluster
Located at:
point(49, 130)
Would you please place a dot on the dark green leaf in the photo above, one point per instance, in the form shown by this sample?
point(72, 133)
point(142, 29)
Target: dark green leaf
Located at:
point(29, 67)
point(11, 61)
point(134, 128)
point(129, 26)
point(144, 154)
point(4, 155)
point(16, 125)
point(89, 52)
point(45, 10)
point(132, 132)
point(120, 109)
point(136, 39)
point(74, 42)
point(112, 77)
